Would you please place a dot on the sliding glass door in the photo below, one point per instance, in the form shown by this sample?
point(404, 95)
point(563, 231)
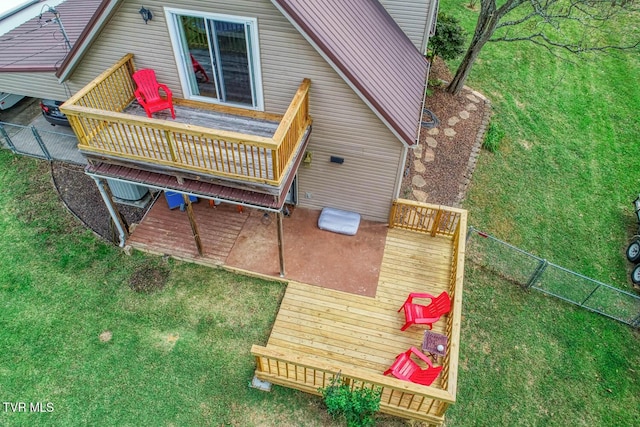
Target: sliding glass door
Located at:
point(217, 57)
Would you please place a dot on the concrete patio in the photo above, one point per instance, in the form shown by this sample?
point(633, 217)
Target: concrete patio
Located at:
point(247, 240)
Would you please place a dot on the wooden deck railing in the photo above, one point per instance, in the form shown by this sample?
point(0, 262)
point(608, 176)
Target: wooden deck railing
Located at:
point(454, 318)
point(424, 218)
point(400, 398)
point(445, 221)
point(96, 115)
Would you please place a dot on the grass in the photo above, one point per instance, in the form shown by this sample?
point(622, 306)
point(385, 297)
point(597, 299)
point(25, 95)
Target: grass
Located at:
point(560, 184)
point(179, 356)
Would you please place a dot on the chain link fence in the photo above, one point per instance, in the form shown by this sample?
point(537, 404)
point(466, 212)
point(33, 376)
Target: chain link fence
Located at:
point(41, 140)
point(531, 272)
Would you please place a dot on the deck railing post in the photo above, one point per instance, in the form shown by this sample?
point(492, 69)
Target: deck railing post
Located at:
point(172, 145)
point(5, 135)
point(392, 214)
point(43, 147)
point(436, 223)
point(542, 265)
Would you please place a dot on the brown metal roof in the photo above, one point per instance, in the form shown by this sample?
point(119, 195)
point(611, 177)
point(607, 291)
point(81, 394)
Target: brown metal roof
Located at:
point(367, 46)
point(38, 45)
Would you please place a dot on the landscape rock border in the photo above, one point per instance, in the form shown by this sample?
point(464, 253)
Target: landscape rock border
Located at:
point(477, 146)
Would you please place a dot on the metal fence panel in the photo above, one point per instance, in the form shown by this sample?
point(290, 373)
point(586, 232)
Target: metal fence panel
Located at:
point(21, 140)
point(529, 271)
point(62, 145)
point(507, 261)
point(615, 303)
point(565, 284)
point(41, 140)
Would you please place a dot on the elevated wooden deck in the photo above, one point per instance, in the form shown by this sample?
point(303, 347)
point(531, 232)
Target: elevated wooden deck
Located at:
point(210, 142)
point(226, 120)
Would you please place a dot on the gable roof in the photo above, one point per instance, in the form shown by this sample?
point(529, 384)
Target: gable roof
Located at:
point(358, 38)
point(368, 49)
point(38, 44)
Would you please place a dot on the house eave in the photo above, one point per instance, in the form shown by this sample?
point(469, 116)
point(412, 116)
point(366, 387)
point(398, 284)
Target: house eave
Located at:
point(102, 15)
point(29, 69)
point(404, 137)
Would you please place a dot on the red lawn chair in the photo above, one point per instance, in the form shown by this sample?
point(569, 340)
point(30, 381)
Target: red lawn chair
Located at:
point(405, 368)
point(148, 92)
point(197, 68)
point(416, 314)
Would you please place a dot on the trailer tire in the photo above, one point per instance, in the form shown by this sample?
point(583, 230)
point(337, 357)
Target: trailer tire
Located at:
point(635, 275)
point(633, 251)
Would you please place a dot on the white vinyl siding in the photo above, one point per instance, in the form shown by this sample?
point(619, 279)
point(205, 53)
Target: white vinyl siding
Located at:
point(37, 85)
point(343, 125)
point(412, 17)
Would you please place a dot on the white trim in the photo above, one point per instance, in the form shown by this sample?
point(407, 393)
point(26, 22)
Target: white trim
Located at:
point(88, 41)
point(255, 72)
point(400, 174)
point(432, 16)
point(340, 73)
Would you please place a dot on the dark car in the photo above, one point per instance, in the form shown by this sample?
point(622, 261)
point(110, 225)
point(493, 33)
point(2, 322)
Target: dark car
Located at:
point(52, 113)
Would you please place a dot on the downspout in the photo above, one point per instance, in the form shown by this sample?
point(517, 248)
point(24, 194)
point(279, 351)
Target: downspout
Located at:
point(112, 211)
point(401, 170)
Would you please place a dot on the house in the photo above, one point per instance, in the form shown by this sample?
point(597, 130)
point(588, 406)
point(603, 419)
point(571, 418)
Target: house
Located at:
point(353, 69)
point(314, 103)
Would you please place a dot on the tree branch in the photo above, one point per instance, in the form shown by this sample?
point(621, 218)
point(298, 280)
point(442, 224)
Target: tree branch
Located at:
point(542, 40)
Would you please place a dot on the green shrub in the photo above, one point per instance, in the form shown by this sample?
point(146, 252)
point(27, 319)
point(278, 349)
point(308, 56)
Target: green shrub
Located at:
point(434, 83)
point(449, 40)
point(492, 138)
point(356, 406)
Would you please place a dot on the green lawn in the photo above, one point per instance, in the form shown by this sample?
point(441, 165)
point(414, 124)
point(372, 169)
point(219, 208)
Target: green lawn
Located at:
point(179, 356)
point(562, 183)
point(560, 186)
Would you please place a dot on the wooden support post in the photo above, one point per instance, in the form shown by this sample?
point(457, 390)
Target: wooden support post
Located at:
point(280, 242)
point(107, 197)
point(192, 221)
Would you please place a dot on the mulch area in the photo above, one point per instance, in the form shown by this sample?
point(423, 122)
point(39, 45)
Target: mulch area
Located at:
point(450, 164)
point(81, 196)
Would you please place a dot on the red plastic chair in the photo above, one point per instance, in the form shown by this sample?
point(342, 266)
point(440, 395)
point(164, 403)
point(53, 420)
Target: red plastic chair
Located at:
point(416, 314)
point(148, 92)
point(405, 368)
point(197, 68)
